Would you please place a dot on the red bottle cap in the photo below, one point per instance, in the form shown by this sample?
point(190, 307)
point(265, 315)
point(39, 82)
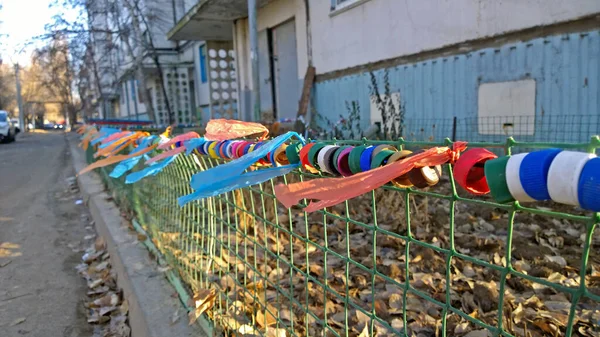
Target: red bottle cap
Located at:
point(469, 170)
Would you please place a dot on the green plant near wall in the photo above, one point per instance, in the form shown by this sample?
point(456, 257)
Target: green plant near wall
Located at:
point(392, 117)
point(321, 127)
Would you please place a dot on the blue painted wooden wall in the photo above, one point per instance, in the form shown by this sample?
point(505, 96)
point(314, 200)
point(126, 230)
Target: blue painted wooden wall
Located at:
point(566, 69)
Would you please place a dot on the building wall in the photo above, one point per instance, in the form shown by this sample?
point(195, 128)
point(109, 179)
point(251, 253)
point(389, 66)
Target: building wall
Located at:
point(565, 68)
point(382, 29)
point(269, 16)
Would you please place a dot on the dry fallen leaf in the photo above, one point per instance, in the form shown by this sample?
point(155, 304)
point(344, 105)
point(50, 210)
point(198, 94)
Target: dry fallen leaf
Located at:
point(108, 300)
point(175, 317)
point(100, 244)
point(142, 237)
point(365, 331)
point(124, 308)
point(203, 300)
point(266, 318)
point(18, 321)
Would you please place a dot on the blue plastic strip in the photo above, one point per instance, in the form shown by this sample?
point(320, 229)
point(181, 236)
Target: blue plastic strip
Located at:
point(245, 180)
point(192, 144)
point(588, 189)
point(130, 163)
point(231, 176)
point(151, 170)
point(104, 132)
point(365, 159)
point(236, 167)
point(534, 173)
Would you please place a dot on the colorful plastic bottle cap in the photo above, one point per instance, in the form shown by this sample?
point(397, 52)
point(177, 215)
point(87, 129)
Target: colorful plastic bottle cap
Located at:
point(564, 174)
point(381, 158)
point(382, 147)
point(365, 159)
point(205, 148)
point(354, 159)
point(241, 149)
point(343, 156)
point(313, 153)
point(212, 150)
point(279, 157)
point(589, 186)
point(292, 152)
point(513, 178)
point(221, 149)
point(425, 176)
point(325, 159)
point(304, 153)
point(495, 175)
point(229, 149)
point(534, 173)
point(246, 148)
point(469, 172)
point(402, 181)
point(234, 149)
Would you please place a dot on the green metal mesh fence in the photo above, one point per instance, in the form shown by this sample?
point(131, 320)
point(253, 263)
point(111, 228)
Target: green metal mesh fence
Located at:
point(393, 262)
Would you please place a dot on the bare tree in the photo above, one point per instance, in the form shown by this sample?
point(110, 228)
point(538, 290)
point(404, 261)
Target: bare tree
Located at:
point(56, 74)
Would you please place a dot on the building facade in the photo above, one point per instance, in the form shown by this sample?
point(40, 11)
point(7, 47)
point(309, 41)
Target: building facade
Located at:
point(144, 66)
point(493, 64)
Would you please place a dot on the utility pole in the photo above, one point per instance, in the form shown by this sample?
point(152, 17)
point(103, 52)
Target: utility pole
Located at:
point(252, 25)
point(22, 125)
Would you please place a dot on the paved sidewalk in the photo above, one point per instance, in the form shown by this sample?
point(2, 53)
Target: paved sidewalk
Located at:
point(42, 229)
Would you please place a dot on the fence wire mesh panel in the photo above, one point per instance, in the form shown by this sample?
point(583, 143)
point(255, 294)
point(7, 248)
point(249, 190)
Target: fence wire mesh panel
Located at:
point(393, 262)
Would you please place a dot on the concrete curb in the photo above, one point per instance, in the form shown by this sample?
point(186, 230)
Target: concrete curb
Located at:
point(151, 304)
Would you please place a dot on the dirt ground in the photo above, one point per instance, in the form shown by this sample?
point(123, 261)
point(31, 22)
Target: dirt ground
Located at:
point(43, 231)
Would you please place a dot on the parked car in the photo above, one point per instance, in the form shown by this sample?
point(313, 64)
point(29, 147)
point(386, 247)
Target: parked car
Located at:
point(7, 129)
point(17, 125)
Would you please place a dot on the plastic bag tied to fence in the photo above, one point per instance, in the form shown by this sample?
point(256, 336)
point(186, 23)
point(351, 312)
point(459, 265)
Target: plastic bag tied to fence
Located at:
point(231, 176)
point(139, 152)
point(132, 158)
point(225, 129)
point(332, 191)
point(151, 170)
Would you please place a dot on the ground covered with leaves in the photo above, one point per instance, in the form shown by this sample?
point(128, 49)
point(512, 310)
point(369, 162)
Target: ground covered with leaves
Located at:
point(360, 269)
point(105, 305)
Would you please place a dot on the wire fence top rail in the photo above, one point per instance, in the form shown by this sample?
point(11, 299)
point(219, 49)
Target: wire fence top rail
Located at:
point(392, 262)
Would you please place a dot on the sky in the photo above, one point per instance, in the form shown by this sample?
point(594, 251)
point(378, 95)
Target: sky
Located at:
point(22, 20)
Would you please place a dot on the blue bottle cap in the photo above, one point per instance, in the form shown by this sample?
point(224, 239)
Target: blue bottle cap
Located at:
point(534, 173)
point(589, 186)
point(365, 159)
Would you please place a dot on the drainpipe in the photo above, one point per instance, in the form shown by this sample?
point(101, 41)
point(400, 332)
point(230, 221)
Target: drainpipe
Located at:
point(308, 34)
point(252, 10)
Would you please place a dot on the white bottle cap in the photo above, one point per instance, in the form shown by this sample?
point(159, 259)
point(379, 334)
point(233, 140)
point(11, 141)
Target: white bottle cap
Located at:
point(513, 178)
point(563, 176)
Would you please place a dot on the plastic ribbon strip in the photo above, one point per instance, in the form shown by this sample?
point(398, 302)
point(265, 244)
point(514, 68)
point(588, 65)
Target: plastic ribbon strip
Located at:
point(177, 139)
point(127, 164)
point(116, 159)
point(149, 171)
point(225, 129)
point(230, 176)
point(193, 144)
point(166, 154)
point(332, 191)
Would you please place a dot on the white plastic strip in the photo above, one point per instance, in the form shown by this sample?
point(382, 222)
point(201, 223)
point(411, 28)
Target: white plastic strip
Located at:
point(321, 158)
point(563, 176)
point(513, 178)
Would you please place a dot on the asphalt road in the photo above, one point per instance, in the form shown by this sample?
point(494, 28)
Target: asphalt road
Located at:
point(42, 232)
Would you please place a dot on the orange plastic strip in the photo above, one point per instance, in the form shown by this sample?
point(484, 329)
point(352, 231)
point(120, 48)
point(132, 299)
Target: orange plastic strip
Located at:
point(116, 159)
point(332, 191)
